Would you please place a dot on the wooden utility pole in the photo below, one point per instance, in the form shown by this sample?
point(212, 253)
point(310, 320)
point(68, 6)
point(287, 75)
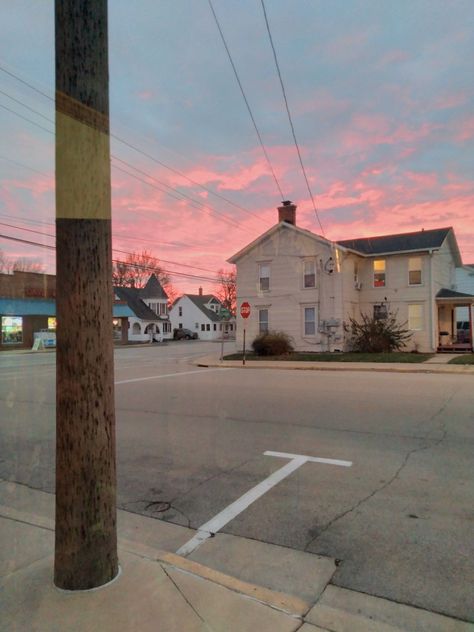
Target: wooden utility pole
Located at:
point(86, 538)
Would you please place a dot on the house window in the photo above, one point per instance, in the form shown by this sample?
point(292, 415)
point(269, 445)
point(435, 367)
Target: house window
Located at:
point(164, 309)
point(208, 327)
point(215, 327)
point(180, 311)
point(379, 273)
point(415, 316)
point(180, 325)
point(264, 276)
point(231, 327)
point(136, 329)
point(414, 271)
point(380, 312)
point(196, 325)
point(309, 321)
point(309, 273)
point(263, 321)
point(203, 327)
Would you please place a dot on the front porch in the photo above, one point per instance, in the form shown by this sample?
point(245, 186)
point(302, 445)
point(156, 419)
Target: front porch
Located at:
point(454, 336)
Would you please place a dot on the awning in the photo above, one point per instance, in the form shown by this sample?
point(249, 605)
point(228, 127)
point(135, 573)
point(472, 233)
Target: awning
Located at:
point(454, 298)
point(46, 307)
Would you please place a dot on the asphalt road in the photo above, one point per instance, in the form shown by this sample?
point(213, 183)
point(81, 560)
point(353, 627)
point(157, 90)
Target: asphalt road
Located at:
point(191, 442)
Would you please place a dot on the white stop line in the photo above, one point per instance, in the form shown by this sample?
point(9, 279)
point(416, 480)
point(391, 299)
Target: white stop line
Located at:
point(214, 525)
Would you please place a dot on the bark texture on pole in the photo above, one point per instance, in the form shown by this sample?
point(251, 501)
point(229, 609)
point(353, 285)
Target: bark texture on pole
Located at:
point(86, 539)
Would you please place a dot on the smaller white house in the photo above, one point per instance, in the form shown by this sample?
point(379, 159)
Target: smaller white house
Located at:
point(465, 284)
point(202, 314)
point(150, 320)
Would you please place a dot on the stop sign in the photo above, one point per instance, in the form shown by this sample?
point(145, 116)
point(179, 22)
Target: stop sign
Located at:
point(245, 309)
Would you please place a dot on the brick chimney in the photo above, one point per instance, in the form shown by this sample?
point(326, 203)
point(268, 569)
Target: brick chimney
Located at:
point(200, 291)
point(287, 212)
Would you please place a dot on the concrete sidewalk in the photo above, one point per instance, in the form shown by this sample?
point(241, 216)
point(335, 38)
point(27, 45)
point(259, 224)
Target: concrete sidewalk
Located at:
point(434, 365)
point(231, 584)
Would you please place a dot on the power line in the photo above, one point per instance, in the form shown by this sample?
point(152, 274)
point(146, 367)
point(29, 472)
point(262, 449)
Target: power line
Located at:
point(132, 265)
point(138, 150)
point(246, 100)
point(125, 252)
point(289, 117)
point(196, 203)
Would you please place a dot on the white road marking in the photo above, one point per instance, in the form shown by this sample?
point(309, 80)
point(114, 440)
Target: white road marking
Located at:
point(157, 377)
point(214, 525)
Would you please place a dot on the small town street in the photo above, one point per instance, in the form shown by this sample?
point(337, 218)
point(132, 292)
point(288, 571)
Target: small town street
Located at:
point(191, 442)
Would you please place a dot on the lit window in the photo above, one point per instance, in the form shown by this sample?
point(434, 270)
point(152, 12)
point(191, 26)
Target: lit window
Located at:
point(414, 271)
point(309, 274)
point(263, 321)
point(309, 321)
point(415, 317)
point(12, 330)
point(379, 273)
point(264, 276)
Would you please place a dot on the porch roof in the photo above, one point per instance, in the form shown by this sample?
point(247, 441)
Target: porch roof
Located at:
point(451, 296)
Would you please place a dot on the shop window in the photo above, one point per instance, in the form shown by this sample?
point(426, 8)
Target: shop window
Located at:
point(12, 330)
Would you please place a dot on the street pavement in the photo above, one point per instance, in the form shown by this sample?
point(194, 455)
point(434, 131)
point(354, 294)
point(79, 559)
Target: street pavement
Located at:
point(192, 441)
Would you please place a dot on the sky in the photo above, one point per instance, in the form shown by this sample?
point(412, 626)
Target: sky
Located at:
point(380, 93)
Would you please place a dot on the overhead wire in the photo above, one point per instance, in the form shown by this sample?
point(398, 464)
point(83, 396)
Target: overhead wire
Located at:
point(289, 116)
point(249, 109)
point(197, 203)
point(138, 150)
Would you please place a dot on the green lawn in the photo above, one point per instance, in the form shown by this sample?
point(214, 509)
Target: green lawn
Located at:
point(339, 357)
point(468, 358)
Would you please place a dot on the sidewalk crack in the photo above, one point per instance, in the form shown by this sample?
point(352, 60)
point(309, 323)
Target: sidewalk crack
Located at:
point(208, 627)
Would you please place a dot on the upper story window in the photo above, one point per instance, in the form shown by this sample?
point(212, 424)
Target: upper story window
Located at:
point(163, 308)
point(264, 276)
point(379, 273)
point(309, 273)
point(414, 271)
point(180, 311)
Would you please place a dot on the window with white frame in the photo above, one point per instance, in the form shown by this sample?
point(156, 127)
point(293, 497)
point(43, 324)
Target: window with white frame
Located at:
point(263, 321)
point(309, 314)
point(379, 273)
point(414, 271)
point(309, 273)
point(264, 276)
point(415, 316)
point(163, 307)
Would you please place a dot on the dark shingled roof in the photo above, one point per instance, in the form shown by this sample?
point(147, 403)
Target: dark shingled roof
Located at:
point(153, 289)
point(421, 240)
point(200, 300)
point(445, 293)
point(131, 296)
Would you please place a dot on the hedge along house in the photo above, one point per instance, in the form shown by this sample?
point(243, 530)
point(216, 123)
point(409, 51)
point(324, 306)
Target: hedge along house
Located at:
point(149, 318)
point(308, 286)
point(28, 307)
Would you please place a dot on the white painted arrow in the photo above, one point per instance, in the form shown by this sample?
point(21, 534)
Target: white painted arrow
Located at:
point(214, 525)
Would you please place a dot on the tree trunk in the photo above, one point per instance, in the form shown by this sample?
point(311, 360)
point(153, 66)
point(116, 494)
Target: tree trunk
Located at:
point(86, 539)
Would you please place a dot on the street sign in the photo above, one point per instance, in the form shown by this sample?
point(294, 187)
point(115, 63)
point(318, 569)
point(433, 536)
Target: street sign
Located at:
point(245, 309)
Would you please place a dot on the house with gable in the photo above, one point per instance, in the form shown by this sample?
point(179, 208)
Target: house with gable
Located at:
point(308, 286)
point(149, 305)
point(202, 314)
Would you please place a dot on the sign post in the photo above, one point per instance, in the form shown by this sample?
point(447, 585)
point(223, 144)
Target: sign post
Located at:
point(245, 313)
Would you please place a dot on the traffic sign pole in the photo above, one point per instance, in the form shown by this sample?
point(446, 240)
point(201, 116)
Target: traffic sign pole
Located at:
point(243, 355)
point(245, 313)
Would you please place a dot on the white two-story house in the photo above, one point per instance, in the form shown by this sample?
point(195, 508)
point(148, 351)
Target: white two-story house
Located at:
point(308, 286)
point(202, 314)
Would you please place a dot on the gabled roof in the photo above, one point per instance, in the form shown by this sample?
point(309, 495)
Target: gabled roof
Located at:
point(201, 300)
point(273, 230)
point(403, 242)
point(153, 289)
point(131, 296)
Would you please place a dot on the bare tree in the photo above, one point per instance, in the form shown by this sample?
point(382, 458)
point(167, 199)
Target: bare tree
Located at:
point(136, 268)
point(20, 264)
point(227, 292)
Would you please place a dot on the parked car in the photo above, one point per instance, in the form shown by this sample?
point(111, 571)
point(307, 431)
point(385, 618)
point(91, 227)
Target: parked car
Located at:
point(186, 334)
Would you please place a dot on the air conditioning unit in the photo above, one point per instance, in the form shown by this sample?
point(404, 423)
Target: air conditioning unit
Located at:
point(358, 285)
